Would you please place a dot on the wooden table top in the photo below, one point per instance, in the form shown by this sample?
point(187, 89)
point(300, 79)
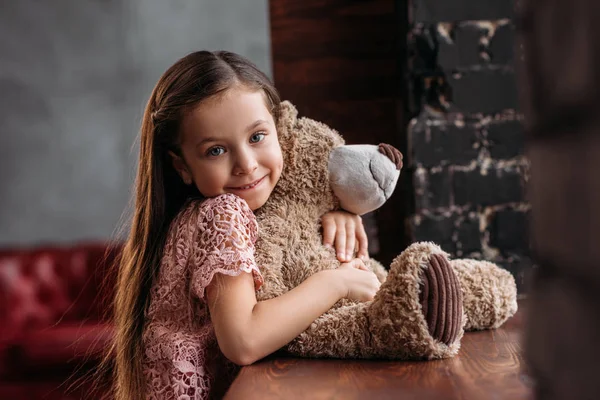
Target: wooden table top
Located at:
point(489, 366)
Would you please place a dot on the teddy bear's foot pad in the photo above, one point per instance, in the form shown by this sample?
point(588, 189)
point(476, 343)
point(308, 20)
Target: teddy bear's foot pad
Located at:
point(441, 299)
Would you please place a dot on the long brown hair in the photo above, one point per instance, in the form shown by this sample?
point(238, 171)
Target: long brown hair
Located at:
point(160, 193)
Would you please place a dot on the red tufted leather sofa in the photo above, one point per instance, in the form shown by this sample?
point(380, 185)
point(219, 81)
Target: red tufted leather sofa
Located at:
point(53, 315)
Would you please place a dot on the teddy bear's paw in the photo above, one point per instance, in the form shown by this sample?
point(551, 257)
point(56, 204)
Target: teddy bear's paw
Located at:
point(489, 293)
point(441, 299)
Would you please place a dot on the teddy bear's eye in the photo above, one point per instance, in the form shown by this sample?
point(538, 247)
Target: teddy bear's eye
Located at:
point(257, 137)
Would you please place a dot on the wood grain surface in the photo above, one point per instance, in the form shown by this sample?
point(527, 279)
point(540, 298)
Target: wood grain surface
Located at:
point(489, 366)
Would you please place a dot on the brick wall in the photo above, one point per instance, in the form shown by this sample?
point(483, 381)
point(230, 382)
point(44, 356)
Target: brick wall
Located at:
point(466, 139)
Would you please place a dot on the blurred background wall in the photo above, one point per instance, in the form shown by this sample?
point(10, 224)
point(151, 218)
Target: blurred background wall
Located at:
point(74, 79)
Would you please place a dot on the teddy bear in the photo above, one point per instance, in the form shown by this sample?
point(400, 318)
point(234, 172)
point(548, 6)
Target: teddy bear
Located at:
point(425, 302)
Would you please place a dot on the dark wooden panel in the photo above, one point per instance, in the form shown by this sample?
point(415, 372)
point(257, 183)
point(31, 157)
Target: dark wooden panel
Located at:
point(561, 76)
point(489, 366)
point(337, 52)
point(341, 62)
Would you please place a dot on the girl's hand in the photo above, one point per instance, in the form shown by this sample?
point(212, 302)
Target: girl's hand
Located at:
point(360, 284)
point(346, 230)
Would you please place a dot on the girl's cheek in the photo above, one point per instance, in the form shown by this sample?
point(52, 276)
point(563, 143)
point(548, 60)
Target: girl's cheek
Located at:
point(279, 156)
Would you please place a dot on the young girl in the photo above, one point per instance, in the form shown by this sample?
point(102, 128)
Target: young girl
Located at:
point(185, 308)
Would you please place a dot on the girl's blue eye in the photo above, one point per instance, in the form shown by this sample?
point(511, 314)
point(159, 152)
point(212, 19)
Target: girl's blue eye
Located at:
point(216, 151)
point(257, 137)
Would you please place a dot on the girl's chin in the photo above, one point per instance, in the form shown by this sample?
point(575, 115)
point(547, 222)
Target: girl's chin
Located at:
point(255, 202)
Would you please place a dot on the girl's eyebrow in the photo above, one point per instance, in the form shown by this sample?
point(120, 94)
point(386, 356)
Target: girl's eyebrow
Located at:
point(255, 124)
point(206, 140)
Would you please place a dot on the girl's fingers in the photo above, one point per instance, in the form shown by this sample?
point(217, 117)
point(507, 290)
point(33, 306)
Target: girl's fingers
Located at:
point(328, 231)
point(363, 242)
point(340, 243)
point(350, 240)
point(346, 232)
point(354, 263)
point(361, 265)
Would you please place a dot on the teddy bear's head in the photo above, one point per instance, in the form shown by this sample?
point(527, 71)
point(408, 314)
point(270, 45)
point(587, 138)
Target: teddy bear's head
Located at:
point(320, 170)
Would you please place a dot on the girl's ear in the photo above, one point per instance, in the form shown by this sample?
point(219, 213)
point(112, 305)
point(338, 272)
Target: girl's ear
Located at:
point(181, 168)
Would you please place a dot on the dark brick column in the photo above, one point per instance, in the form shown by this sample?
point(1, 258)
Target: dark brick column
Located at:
point(466, 139)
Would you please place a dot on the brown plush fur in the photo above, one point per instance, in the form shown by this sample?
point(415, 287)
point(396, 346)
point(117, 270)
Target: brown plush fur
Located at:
point(289, 250)
point(489, 293)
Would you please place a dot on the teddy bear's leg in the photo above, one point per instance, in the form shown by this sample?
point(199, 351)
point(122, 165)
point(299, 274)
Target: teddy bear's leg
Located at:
point(417, 314)
point(418, 311)
point(489, 293)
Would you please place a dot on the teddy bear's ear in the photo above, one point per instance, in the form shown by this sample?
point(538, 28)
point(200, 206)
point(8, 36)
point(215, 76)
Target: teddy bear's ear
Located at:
point(288, 115)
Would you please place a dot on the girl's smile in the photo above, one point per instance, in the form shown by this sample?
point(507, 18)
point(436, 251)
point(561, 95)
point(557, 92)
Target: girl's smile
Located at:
point(250, 186)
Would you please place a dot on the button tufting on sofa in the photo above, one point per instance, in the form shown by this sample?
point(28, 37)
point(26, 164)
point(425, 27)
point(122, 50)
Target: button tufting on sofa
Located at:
point(52, 306)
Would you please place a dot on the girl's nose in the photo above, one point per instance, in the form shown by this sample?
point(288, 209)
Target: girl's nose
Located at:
point(245, 163)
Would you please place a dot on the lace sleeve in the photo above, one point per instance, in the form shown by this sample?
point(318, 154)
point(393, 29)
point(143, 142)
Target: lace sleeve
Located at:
point(224, 242)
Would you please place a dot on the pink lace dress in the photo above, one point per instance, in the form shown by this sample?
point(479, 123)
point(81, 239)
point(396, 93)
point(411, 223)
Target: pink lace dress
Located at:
point(182, 358)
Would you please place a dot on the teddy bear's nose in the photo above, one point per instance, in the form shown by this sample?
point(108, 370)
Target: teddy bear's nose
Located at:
point(392, 153)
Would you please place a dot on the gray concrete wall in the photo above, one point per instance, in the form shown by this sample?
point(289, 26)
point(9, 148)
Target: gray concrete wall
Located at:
point(74, 78)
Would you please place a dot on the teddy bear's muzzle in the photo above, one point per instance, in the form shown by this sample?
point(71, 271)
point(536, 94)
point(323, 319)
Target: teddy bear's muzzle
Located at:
point(362, 176)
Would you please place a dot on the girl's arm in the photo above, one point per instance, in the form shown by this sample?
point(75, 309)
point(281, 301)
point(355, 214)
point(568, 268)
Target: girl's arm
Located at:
point(248, 330)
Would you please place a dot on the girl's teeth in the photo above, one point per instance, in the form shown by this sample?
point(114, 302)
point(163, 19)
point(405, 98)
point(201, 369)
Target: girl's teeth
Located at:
point(248, 187)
